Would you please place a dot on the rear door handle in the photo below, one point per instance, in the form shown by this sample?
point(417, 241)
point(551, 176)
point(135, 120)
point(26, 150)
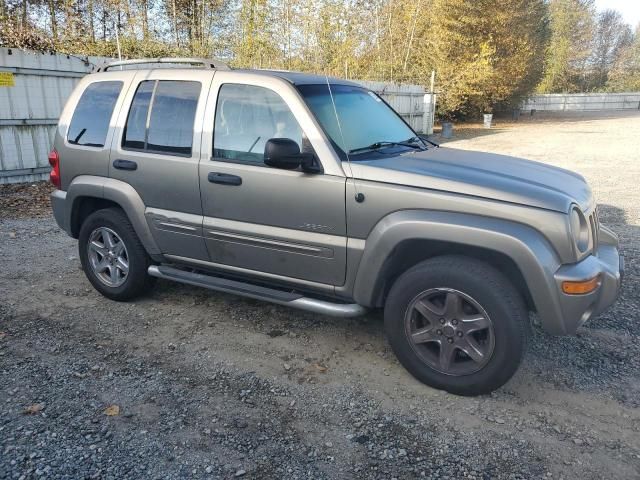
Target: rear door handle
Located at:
point(125, 165)
point(224, 178)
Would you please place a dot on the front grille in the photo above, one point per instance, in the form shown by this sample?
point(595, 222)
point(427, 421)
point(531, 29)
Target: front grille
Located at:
point(594, 224)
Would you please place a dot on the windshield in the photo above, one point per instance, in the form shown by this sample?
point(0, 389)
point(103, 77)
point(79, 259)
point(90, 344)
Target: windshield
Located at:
point(367, 122)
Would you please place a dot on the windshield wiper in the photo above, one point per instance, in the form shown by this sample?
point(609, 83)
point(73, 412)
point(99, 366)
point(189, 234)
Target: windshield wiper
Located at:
point(378, 145)
point(78, 137)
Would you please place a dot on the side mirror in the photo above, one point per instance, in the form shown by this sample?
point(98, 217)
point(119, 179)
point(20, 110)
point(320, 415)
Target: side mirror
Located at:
point(285, 153)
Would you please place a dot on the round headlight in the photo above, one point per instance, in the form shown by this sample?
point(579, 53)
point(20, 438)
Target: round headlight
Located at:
point(579, 229)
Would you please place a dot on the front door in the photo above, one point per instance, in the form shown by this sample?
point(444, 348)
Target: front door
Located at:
point(263, 220)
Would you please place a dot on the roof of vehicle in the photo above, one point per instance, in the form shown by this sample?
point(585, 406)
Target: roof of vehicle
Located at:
point(295, 78)
point(299, 78)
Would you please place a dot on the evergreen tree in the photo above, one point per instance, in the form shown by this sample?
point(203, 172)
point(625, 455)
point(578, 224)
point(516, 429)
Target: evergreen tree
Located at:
point(567, 58)
point(487, 54)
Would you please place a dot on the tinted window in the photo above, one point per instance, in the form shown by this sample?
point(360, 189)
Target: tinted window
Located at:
point(90, 121)
point(248, 116)
point(136, 129)
point(170, 107)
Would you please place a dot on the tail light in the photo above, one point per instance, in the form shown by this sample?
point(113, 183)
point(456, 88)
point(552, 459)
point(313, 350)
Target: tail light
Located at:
point(54, 161)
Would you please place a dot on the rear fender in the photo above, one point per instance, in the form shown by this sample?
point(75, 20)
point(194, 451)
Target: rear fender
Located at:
point(118, 192)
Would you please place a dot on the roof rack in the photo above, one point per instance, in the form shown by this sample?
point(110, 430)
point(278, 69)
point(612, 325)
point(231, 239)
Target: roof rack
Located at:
point(208, 63)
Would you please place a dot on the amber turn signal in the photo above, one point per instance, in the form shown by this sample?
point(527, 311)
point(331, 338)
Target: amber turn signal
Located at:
point(582, 287)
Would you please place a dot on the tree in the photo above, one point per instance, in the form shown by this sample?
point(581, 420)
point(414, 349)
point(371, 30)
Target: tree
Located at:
point(254, 44)
point(612, 36)
point(625, 73)
point(569, 49)
point(487, 53)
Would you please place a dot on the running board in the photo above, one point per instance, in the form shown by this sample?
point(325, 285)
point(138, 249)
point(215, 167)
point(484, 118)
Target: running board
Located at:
point(257, 292)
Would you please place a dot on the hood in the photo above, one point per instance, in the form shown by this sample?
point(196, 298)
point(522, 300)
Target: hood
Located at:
point(486, 175)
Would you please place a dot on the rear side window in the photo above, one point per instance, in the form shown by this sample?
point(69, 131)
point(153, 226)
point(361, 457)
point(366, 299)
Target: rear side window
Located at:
point(90, 121)
point(161, 117)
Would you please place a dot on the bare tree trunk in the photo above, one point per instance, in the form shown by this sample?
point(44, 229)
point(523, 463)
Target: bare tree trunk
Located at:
point(90, 19)
point(288, 29)
point(391, 51)
point(24, 13)
point(413, 31)
point(104, 24)
point(145, 19)
point(378, 41)
point(201, 27)
point(127, 16)
point(52, 17)
point(192, 34)
point(69, 22)
point(175, 22)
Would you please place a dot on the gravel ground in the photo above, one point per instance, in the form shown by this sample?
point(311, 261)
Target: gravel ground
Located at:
point(188, 383)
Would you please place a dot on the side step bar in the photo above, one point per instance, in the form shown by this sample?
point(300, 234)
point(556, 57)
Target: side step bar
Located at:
point(257, 292)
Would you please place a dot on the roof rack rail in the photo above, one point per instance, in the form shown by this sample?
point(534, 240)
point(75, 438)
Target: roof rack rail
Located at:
point(208, 63)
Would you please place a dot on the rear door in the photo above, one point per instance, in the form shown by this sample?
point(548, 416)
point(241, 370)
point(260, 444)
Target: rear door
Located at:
point(272, 222)
point(156, 151)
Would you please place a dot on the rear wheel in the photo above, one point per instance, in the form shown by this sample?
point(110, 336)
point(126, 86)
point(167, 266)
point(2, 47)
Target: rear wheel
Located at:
point(112, 256)
point(457, 324)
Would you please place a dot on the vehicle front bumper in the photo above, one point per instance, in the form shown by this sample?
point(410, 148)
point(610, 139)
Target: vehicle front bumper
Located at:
point(608, 265)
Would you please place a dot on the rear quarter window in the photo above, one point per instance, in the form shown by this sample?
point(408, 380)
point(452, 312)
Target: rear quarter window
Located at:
point(90, 121)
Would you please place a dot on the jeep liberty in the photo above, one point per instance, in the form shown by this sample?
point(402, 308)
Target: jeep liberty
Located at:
point(313, 193)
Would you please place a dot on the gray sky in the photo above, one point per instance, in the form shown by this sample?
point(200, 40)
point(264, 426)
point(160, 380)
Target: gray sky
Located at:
point(630, 9)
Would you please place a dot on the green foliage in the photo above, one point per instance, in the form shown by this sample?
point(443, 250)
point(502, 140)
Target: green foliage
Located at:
point(625, 74)
point(487, 54)
point(572, 25)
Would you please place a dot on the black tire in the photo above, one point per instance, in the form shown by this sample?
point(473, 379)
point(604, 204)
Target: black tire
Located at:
point(137, 281)
point(491, 290)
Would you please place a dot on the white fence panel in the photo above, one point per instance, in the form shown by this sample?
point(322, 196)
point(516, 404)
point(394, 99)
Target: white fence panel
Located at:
point(587, 102)
point(29, 109)
point(407, 100)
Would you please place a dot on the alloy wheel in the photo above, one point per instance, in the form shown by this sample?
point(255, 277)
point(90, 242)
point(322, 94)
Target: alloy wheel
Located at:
point(108, 257)
point(450, 331)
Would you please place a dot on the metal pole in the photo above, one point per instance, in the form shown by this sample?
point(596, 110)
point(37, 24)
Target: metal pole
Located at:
point(432, 110)
point(118, 44)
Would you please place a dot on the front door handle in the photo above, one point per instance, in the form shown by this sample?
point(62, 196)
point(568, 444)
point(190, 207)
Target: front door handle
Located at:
point(224, 178)
point(125, 165)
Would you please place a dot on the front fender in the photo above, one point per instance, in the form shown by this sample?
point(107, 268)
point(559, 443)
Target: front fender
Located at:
point(118, 192)
point(527, 248)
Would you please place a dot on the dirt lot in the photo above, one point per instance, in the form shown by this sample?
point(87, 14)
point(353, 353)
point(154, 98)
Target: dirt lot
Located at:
point(215, 386)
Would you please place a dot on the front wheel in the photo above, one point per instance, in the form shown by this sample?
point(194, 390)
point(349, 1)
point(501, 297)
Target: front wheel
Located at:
point(457, 324)
point(112, 256)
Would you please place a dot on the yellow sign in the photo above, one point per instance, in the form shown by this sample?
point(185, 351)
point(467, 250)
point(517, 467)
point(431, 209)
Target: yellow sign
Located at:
point(6, 79)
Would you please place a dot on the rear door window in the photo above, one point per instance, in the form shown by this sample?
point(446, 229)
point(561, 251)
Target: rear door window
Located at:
point(136, 129)
point(90, 121)
point(161, 117)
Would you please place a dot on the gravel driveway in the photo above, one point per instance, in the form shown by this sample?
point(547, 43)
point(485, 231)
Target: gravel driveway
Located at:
point(188, 383)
